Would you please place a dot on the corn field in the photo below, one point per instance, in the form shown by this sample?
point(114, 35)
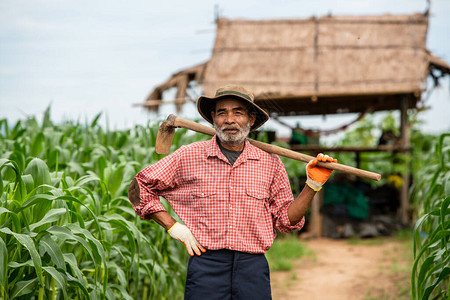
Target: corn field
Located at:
point(67, 229)
point(430, 278)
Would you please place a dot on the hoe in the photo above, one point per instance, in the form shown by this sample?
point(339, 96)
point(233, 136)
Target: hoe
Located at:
point(167, 131)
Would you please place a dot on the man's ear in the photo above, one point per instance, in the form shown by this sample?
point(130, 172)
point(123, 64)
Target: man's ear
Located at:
point(252, 118)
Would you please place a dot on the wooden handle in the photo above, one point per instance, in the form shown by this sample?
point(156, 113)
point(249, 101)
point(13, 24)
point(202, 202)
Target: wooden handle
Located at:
point(179, 122)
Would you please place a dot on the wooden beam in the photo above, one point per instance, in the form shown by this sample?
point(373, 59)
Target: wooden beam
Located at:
point(316, 218)
point(318, 148)
point(182, 85)
point(404, 144)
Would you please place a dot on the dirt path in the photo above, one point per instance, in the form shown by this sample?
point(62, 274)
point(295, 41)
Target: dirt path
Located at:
point(340, 270)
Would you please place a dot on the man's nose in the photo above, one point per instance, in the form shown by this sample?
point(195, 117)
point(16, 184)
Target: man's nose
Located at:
point(229, 118)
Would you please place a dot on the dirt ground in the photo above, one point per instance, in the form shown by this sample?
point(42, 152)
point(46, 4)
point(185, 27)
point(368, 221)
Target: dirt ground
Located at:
point(338, 269)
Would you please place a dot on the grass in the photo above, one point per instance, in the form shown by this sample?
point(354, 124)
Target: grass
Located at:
point(284, 251)
point(401, 236)
point(356, 240)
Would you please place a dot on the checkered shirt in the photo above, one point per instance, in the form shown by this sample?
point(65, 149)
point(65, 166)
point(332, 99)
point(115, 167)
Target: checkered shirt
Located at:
point(226, 206)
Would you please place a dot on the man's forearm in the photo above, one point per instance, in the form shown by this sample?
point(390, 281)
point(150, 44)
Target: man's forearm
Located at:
point(164, 219)
point(300, 205)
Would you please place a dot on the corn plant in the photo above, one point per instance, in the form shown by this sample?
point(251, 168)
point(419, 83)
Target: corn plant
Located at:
point(431, 269)
point(67, 229)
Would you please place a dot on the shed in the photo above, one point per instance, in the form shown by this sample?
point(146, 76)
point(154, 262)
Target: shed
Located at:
point(318, 66)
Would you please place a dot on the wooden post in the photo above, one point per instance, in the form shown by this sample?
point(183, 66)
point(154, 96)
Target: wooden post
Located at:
point(315, 216)
point(405, 145)
point(358, 159)
point(182, 85)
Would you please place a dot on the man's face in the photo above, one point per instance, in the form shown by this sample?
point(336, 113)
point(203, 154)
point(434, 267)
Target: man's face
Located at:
point(232, 120)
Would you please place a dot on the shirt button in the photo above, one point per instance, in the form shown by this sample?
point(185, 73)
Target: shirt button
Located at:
point(231, 187)
point(203, 194)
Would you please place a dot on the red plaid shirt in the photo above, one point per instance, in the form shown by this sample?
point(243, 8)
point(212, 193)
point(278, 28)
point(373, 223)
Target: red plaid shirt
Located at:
point(226, 206)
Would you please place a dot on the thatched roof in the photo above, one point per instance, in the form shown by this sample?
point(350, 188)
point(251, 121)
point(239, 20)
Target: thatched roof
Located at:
point(330, 64)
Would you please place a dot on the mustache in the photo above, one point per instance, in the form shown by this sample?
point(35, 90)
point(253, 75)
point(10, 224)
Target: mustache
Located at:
point(230, 128)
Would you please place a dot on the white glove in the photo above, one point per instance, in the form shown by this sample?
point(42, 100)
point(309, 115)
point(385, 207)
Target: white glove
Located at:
point(183, 234)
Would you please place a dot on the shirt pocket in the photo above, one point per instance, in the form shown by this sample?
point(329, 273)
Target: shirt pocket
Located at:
point(203, 200)
point(257, 199)
point(257, 212)
point(257, 193)
point(203, 193)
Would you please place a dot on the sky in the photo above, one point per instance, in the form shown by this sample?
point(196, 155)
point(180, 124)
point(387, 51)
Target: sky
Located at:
point(83, 57)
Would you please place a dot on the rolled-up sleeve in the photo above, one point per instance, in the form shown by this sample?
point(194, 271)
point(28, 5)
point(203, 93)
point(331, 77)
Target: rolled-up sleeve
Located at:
point(280, 199)
point(154, 180)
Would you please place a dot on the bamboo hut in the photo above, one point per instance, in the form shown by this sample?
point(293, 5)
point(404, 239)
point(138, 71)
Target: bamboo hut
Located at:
point(319, 66)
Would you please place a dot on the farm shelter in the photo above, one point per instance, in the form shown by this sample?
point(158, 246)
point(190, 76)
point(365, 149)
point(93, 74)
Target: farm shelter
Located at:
point(320, 66)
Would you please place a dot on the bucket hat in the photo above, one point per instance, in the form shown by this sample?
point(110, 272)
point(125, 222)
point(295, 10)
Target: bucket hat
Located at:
point(206, 105)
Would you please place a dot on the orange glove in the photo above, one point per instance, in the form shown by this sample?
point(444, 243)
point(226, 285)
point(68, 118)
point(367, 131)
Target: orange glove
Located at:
point(317, 176)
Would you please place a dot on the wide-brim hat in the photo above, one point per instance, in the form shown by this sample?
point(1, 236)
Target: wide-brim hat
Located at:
point(206, 105)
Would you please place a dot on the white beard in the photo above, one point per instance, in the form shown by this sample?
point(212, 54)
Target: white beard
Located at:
point(237, 138)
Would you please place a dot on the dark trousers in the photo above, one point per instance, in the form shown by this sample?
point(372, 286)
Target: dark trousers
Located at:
point(226, 274)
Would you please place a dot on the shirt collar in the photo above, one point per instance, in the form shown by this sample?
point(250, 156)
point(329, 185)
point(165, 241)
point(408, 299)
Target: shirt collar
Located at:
point(249, 152)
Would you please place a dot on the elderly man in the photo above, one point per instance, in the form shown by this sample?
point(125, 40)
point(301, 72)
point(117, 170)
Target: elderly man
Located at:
point(231, 196)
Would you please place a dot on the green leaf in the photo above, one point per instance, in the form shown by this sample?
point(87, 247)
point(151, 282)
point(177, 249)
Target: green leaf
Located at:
point(86, 179)
point(15, 176)
point(122, 141)
point(15, 265)
point(95, 121)
point(60, 279)
point(119, 272)
point(96, 246)
point(38, 169)
point(24, 287)
point(1, 183)
point(447, 184)
point(101, 165)
point(109, 293)
point(440, 235)
point(444, 210)
point(65, 234)
point(75, 167)
point(426, 265)
point(53, 158)
point(28, 182)
point(26, 241)
point(37, 145)
point(443, 275)
point(51, 247)
point(14, 217)
point(79, 284)
point(3, 264)
point(51, 216)
point(46, 121)
point(70, 259)
point(116, 180)
point(19, 158)
point(128, 228)
point(123, 293)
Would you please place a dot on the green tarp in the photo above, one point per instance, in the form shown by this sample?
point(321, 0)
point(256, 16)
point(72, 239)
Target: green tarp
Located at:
point(345, 195)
